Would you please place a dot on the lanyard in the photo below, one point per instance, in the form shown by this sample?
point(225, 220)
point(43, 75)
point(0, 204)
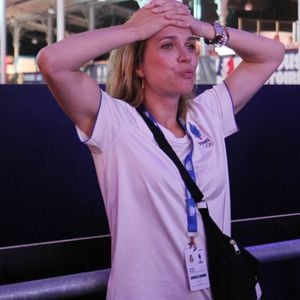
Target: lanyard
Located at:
point(191, 208)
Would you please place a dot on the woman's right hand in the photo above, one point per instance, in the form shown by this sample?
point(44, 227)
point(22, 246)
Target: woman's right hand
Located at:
point(150, 19)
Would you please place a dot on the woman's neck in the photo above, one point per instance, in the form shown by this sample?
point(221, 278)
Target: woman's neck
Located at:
point(164, 110)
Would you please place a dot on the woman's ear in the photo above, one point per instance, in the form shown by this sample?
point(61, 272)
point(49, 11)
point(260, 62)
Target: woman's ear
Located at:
point(139, 71)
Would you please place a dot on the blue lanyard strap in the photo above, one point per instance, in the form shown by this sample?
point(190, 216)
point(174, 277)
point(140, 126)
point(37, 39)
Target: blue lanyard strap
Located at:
point(190, 203)
point(191, 208)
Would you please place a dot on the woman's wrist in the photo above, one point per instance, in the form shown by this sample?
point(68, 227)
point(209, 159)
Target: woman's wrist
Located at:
point(221, 35)
point(209, 31)
point(203, 30)
point(131, 32)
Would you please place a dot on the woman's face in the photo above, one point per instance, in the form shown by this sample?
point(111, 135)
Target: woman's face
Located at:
point(169, 63)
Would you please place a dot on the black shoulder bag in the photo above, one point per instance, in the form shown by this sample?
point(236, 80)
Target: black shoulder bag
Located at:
point(233, 271)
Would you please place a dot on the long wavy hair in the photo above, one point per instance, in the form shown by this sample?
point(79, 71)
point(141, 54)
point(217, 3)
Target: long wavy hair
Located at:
point(123, 81)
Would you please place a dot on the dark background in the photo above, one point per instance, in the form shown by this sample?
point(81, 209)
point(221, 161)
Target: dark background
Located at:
point(49, 190)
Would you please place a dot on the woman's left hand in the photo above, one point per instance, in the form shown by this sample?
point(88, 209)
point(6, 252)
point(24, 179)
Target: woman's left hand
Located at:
point(161, 6)
point(158, 14)
point(176, 10)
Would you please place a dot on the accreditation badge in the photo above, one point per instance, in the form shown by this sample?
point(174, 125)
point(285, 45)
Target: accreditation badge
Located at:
point(196, 269)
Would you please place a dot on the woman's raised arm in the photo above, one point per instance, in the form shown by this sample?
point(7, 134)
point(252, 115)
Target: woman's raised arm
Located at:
point(260, 58)
point(77, 93)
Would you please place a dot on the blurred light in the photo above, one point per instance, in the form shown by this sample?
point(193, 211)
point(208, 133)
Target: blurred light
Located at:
point(12, 20)
point(34, 41)
point(248, 6)
point(51, 11)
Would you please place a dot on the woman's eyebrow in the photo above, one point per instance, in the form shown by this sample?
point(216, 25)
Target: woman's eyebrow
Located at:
point(174, 37)
point(168, 37)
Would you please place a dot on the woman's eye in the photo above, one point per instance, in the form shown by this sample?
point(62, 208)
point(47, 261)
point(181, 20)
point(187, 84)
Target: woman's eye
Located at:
point(191, 46)
point(167, 46)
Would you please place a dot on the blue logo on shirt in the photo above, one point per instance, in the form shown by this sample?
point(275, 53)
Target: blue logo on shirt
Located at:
point(204, 142)
point(195, 131)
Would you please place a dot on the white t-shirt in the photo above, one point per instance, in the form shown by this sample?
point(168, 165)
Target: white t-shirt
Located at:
point(144, 194)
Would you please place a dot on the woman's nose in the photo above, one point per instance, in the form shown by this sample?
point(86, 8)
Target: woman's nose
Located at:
point(184, 55)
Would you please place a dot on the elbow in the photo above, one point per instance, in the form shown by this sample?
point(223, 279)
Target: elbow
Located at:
point(279, 53)
point(275, 56)
point(46, 62)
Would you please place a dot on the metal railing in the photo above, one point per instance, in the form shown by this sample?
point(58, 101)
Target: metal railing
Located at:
point(87, 283)
point(276, 26)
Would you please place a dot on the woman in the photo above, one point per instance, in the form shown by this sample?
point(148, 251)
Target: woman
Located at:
point(152, 219)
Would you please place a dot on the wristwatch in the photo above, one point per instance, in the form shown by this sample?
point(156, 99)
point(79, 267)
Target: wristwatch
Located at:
point(221, 35)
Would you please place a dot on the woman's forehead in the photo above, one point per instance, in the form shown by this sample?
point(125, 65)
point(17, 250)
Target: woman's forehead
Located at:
point(172, 31)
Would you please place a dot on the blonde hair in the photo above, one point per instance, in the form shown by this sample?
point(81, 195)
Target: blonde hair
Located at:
point(123, 81)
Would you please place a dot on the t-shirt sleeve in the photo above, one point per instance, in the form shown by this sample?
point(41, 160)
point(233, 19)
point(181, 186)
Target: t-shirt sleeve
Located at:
point(224, 100)
point(112, 115)
point(219, 102)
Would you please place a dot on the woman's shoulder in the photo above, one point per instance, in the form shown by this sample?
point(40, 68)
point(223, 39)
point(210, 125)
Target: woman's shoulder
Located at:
point(113, 104)
point(217, 91)
point(215, 103)
point(212, 101)
point(113, 100)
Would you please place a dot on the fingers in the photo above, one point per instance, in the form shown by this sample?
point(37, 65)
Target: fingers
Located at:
point(176, 13)
point(178, 23)
point(146, 23)
point(168, 6)
point(154, 3)
point(182, 9)
point(150, 19)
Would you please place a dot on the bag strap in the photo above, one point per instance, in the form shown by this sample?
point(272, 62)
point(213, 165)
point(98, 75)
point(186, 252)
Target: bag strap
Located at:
point(165, 146)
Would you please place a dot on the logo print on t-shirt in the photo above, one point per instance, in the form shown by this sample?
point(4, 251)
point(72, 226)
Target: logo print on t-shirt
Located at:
point(195, 131)
point(204, 143)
